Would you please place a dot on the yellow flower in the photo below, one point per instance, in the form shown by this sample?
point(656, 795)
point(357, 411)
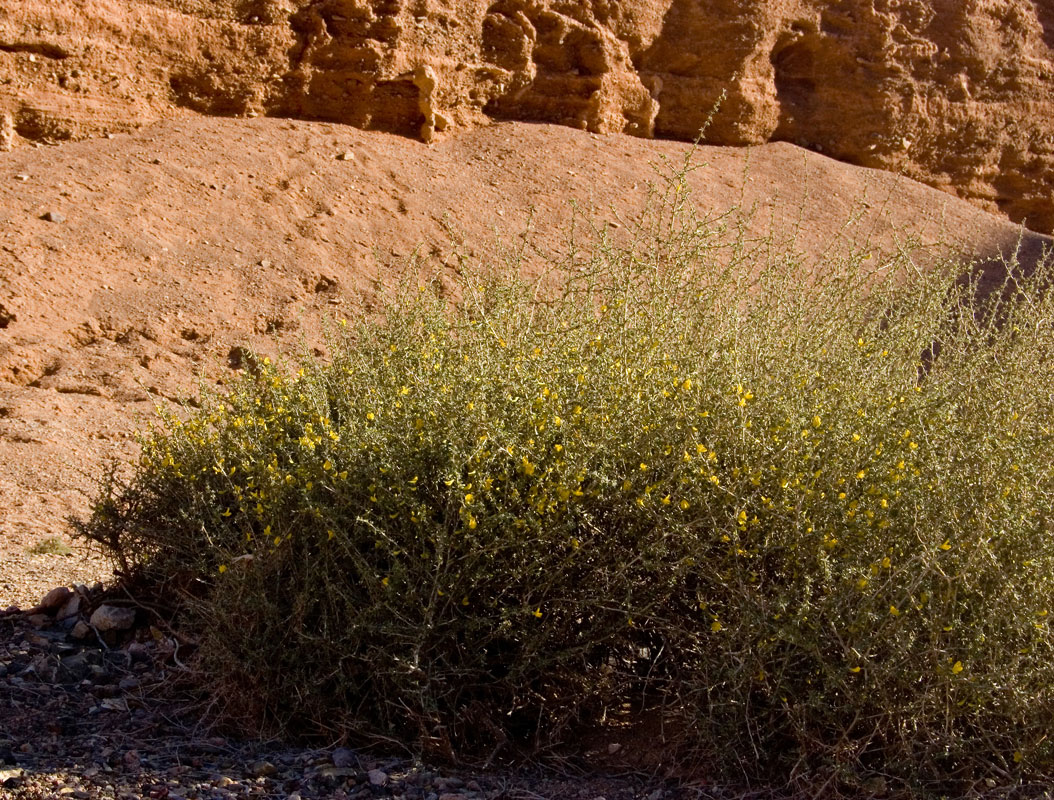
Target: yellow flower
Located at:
point(716, 626)
point(893, 610)
point(538, 613)
point(816, 421)
point(957, 667)
point(223, 568)
point(385, 581)
point(687, 385)
point(854, 669)
point(947, 545)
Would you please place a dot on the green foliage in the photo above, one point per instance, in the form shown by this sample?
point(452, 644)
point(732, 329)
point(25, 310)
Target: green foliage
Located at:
point(802, 512)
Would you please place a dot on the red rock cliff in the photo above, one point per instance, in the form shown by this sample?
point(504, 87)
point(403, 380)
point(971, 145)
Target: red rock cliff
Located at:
point(956, 93)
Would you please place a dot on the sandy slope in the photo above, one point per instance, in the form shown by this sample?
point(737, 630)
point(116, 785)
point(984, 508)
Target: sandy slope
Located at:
point(192, 237)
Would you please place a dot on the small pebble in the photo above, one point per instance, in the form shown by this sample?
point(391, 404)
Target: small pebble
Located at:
point(53, 216)
point(131, 760)
point(262, 769)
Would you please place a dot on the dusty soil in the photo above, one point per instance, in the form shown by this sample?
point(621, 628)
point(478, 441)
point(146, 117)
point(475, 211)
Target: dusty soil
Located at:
point(169, 248)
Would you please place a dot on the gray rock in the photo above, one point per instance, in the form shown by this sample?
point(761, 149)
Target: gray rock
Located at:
point(70, 609)
point(344, 757)
point(76, 667)
point(53, 216)
point(112, 618)
point(347, 155)
point(378, 777)
point(82, 630)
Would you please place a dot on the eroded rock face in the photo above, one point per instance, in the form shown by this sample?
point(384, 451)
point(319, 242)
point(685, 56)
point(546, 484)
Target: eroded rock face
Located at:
point(956, 93)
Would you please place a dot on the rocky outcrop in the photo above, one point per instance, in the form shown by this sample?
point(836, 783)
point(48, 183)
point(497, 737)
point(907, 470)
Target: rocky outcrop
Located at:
point(956, 93)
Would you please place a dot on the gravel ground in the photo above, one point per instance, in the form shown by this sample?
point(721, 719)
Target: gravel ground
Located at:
point(84, 714)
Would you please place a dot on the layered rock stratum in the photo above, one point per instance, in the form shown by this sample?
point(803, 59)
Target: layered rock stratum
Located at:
point(958, 94)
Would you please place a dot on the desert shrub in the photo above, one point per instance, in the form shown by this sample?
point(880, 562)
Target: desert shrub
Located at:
point(802, 511)
point(50, 546)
